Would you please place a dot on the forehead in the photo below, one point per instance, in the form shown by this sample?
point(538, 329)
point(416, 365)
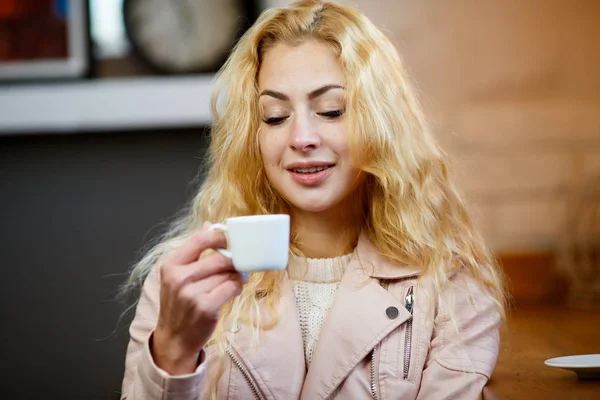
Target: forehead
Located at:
point(299, 69)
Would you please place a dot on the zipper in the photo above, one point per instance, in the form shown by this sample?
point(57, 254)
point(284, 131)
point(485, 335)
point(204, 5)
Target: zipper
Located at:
point(409, 304)
point(374, 372)
point(247, 377)
point(374, 388)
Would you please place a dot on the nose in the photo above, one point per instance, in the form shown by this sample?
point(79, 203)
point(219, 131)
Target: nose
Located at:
point(304, 137)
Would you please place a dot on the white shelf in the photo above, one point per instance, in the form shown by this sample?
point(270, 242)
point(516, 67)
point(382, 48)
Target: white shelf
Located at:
point(125, 104)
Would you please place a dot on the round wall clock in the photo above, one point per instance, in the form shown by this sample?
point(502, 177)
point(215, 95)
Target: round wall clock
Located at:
point(186, 36)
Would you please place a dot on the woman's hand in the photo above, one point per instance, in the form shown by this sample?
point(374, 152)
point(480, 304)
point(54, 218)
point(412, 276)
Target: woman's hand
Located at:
point(192, 292)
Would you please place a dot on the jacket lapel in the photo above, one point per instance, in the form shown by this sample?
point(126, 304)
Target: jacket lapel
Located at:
point(276, 365)
point(377, 266)
point(356, 322)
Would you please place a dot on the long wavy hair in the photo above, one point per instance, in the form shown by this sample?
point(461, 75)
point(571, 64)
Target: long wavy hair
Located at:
point(413, 213)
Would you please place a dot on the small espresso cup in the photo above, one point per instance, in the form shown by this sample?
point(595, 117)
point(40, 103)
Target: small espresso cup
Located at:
point(257, 242)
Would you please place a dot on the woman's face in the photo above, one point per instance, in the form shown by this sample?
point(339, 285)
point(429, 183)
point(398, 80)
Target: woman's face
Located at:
point(303, 135)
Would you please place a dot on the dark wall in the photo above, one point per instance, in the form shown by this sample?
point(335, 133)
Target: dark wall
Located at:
point(75, 211)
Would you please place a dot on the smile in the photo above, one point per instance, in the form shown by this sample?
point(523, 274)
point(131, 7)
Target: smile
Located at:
point(310, 174)
point(309, 170)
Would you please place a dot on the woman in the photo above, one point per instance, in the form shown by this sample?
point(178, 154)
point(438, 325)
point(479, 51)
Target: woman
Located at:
point(389, 292)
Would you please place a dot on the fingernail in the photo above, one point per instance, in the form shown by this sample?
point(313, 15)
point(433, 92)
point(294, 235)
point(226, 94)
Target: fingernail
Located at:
point(245, 276)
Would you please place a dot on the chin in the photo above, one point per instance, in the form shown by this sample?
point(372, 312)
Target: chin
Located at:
point(313, 205)
point(312, 208)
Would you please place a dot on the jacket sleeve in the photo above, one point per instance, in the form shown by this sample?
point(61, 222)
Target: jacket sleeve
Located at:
point(458, 366)
point(143, 379)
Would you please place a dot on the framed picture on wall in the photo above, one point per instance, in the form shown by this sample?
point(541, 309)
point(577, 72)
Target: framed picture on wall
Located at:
point(44, 39)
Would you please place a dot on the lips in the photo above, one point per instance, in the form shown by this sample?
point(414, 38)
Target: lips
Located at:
point(310, 170)
point(310, 173)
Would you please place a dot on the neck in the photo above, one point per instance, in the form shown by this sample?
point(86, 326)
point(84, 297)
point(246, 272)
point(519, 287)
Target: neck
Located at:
point(327, 234)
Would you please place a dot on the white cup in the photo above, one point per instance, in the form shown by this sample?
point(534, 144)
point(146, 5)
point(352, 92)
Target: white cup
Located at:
point(257, 242)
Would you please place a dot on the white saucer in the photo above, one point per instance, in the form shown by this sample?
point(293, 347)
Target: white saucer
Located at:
point(586, 366)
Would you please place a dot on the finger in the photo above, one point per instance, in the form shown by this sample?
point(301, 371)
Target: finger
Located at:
point(222, 294)
point(212, 282)
point(207, 266)
point(191, 249)
point(245, 277)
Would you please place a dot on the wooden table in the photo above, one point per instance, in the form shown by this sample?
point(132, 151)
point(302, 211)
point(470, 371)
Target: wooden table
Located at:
point(534, 334)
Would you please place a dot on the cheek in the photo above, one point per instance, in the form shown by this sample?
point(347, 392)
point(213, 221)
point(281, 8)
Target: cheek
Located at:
point(263, 145)
point(272, 148)
point(338, 141)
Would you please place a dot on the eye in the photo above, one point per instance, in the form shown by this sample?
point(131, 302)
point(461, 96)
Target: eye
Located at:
point(275, 120)
point(332, 114)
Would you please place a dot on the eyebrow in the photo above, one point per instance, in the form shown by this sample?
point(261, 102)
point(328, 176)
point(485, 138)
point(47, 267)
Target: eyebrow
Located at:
point(311, 96)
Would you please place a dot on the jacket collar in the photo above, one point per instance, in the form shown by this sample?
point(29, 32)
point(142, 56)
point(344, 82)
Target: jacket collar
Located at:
point(378, 266)
point(278, 364)
point(356, 322)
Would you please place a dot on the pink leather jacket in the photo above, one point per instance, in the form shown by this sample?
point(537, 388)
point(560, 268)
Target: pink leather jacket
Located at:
point(385, 337)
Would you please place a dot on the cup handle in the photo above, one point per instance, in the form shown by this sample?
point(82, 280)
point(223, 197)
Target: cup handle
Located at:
point(220, 228)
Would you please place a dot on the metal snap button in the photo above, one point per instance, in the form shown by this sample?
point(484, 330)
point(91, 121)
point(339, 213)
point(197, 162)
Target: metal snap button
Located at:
point(392, 312)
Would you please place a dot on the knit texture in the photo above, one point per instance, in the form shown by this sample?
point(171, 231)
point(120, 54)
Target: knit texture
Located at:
point(315, 282)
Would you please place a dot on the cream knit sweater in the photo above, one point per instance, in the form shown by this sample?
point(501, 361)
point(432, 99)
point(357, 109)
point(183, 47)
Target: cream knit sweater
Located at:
point(315, 282)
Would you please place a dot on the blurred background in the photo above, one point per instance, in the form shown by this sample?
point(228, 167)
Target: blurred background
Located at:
point(104, 122)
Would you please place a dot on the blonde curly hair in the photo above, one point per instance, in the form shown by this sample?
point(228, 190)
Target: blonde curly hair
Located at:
point(413, 213)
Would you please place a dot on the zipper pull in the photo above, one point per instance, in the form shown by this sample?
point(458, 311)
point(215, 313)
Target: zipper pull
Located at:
point(410, 300)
